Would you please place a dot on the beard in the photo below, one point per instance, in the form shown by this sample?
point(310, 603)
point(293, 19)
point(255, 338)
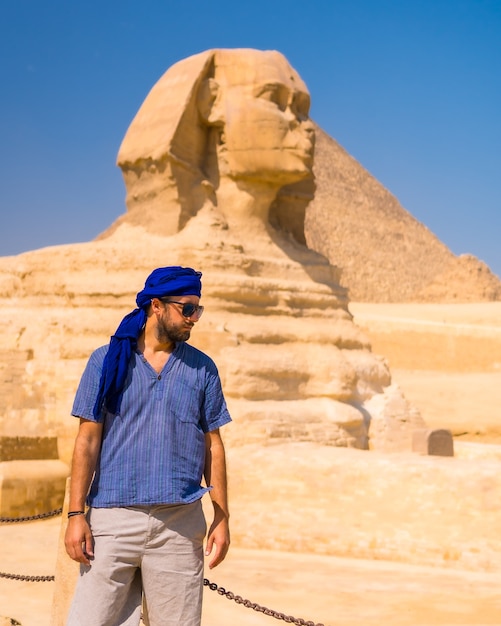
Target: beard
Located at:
point(171, 334)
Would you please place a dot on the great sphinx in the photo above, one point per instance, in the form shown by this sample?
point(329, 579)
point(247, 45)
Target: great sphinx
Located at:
point(217, 165)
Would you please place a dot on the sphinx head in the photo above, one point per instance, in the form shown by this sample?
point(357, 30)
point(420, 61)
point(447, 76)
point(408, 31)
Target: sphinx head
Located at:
point(260, 106)
point(223, 114)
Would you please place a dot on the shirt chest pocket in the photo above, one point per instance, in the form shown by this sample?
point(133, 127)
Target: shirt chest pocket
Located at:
point(184, 402)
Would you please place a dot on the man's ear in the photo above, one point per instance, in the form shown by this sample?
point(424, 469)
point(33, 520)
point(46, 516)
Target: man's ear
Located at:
point(209, 102)
point(156, 304)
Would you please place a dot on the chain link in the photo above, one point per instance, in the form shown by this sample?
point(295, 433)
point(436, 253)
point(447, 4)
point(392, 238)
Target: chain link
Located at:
point(30, 579)
point(288, 619)
point(14, 520)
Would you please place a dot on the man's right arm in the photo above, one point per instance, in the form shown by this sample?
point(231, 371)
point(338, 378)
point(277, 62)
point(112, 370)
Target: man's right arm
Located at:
point(78, 540)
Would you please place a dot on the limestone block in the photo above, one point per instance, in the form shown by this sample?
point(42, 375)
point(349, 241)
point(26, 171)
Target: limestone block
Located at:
point(28, 448)
point(392, 421)
point(290, 371)
point(321, 420)
point(437, 442)
point(31, 487)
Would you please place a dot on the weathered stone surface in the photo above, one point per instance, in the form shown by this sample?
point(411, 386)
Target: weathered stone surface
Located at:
point(31, 487)
point(437, 442)
point(388, 428)
point(28, 448)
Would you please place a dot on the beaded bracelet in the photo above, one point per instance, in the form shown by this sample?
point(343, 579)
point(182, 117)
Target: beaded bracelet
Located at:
point(73, 513)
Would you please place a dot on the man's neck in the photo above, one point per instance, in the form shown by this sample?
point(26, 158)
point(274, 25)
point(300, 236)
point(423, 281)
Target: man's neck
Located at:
point(154, 351)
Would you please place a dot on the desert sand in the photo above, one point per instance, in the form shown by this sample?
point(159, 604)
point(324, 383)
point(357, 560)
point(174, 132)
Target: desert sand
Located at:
point(343, 590)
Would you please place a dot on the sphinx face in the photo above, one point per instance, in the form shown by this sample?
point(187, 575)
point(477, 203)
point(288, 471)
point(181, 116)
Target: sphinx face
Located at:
point(267, 135)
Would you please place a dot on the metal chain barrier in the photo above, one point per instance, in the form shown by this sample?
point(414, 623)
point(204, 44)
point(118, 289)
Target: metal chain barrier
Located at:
point(14, 520)
point(30, 518)
point(30, 579)
point(289, 619)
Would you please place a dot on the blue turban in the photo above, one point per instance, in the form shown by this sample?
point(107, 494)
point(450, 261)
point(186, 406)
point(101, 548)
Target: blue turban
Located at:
point(164, 281)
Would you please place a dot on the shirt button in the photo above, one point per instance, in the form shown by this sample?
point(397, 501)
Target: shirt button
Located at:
point(159, 377)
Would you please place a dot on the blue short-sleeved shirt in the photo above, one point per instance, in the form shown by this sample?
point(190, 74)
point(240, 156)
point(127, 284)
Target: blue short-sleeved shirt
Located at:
point(153, 451)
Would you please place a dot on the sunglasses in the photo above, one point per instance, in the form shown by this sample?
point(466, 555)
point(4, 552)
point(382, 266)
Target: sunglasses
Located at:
point(189, 309)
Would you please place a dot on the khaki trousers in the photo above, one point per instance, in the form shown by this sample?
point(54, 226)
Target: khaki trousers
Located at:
point(150, 551)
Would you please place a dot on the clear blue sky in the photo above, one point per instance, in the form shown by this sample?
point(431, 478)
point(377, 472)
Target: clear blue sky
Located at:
point(412, 89)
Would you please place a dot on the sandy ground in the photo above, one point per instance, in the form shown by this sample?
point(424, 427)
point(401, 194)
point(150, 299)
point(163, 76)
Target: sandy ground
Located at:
point(454, 386)
point(327, 590)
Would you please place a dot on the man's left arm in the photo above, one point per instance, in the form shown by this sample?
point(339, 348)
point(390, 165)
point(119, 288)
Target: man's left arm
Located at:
point(218, 537)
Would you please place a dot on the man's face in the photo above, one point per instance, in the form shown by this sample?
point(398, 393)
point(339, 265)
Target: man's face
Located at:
point(267, 133)
point(172, 326)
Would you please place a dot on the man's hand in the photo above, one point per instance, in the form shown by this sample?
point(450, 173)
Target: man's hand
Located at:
point(218, 538)
point(78, 540)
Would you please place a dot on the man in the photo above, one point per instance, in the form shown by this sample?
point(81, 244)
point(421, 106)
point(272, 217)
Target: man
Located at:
point(150, 409)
